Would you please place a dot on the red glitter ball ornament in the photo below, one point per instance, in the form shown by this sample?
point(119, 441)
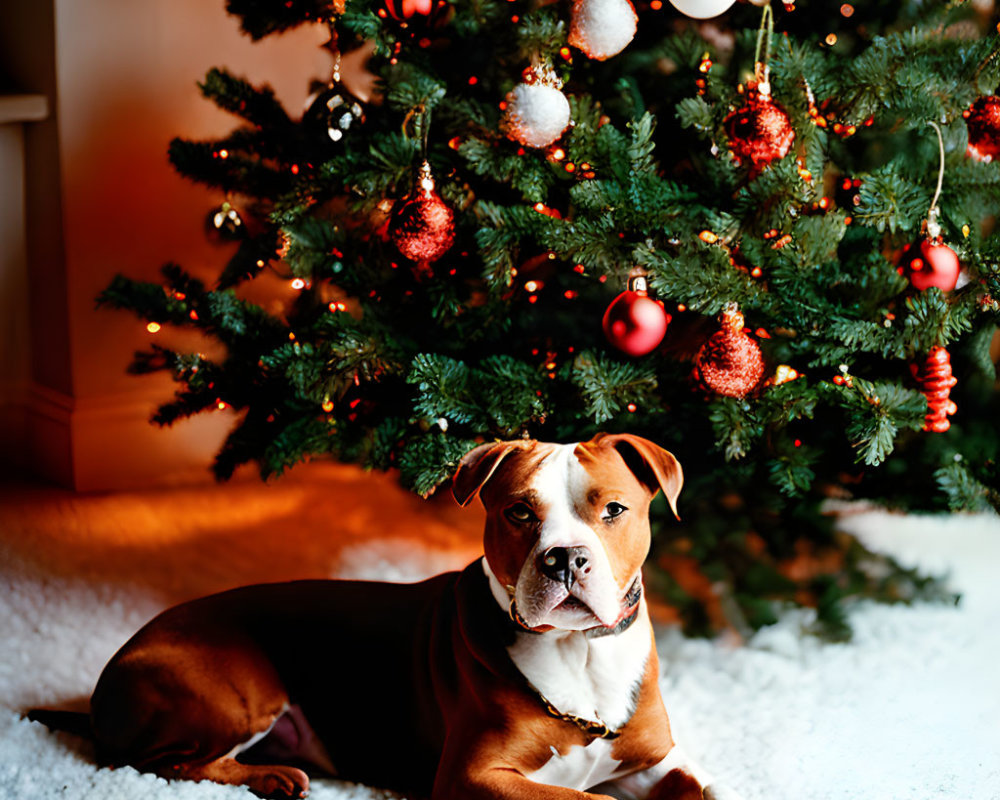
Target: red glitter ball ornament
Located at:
point(730, 363)
point(929, 263)
point(634, 322)
point(983, 122)
point(423, 226)
point(760, 130)
point(935, 380)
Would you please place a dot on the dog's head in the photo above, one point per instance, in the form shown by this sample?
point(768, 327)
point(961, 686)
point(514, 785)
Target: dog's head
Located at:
point(567, 526)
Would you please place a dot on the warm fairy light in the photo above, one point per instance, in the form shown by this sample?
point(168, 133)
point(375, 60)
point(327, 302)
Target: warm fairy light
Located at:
point(540, 208)
point(550, 365)
point(558, 154)
point(632, 408)
point(681, 307)
point(798, 443)
point(656, 5)
point(579, 269)
point(847, 9)
point(708, 237)
point(824, 203)
point(473, 80)
point(831, 39)
point(565, 53)
point(503, 105)
point(584, 166)
point(763, 334)
point(291, 336)
point(295, 169)
point(298, 283)
point(515, 19)
point(223, 154)
point(220, 404)
point(533, 298)
point(569, 294)
point(193, 314)
point(532, 286)
point(153, 327)
point(966, 230)
point(260, 263)
point(756, 272)
point(784, 374)
point(327, 405)
point(336, 306)
point(570, 166)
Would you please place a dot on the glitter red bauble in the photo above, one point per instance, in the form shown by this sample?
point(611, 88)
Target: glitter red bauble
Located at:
point(930, 263)
point(730, 363)
point(423, 227)
point(983, 121)
point(634, 322)
point(935, 380)
point(759, 131)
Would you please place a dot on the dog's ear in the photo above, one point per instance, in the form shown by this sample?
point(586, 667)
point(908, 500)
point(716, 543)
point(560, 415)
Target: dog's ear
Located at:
point(478, 465)
point(649, 462)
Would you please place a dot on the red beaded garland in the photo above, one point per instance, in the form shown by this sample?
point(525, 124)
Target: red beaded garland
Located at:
point(935, 379)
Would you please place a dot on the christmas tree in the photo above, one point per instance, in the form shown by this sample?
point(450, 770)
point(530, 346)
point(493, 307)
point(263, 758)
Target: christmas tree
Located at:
point(764, 240)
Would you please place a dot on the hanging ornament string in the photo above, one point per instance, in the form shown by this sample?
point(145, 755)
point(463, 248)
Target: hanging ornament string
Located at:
point(929, 261)
point(762, 54)
point(933, 228)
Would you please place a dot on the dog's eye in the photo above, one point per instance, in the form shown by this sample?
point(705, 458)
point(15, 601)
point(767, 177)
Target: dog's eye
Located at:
point(613, 509)
point(520, 513)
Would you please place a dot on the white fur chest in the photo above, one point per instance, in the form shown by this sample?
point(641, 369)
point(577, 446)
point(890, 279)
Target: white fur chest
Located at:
point(594, 678)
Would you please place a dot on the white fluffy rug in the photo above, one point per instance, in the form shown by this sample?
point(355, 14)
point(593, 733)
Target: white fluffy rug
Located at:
point(907, 711)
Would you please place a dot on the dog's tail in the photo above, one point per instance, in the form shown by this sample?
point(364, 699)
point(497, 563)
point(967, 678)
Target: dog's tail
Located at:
point(75, 722)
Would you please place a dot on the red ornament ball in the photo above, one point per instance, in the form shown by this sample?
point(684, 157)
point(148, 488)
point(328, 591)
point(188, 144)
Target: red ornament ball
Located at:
point(404, 9)
point(634, 322)
point(760, 130)
point(983, 122)
point(730, 363)
point(423, 227)
point(935, 380)
point(929, 263)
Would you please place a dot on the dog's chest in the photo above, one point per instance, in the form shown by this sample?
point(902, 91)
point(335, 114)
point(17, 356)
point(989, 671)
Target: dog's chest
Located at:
point(597, 679)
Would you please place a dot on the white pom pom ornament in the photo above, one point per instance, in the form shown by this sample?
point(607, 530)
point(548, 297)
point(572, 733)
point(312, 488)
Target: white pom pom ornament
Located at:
point(602, 28)
point(537, 112)
point(702, 9)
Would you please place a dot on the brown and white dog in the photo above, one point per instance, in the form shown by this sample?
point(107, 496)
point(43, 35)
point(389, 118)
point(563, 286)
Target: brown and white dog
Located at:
point(530, 675)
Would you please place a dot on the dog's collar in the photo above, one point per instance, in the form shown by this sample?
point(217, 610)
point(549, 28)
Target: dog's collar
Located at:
point(632, 600)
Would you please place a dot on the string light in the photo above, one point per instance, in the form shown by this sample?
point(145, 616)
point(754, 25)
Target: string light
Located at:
point(153, 327)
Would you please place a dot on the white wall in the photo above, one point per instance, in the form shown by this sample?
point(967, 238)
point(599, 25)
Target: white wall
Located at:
point(125, 78)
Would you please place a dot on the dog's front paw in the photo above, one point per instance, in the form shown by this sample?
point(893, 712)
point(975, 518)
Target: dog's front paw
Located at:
point(719, 791)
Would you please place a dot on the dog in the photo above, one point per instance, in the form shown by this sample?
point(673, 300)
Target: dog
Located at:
point(530, 675)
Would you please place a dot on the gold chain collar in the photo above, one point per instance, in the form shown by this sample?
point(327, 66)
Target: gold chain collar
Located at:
point(596, 728)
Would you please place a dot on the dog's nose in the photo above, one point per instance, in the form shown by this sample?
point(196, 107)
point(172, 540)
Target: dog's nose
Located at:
point(565, 564)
